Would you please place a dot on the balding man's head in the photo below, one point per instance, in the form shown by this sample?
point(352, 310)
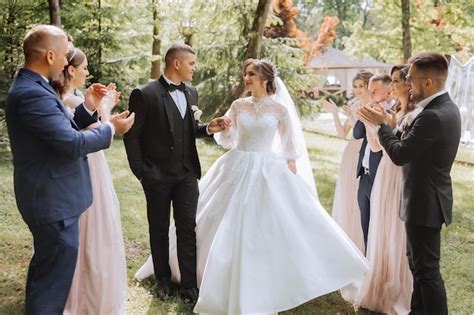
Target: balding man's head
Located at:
point(40, 39)
point(45, 48)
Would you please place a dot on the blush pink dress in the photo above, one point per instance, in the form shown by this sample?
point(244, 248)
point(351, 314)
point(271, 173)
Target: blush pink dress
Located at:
point(99, 285)
point(388, 285)
point(345, 210)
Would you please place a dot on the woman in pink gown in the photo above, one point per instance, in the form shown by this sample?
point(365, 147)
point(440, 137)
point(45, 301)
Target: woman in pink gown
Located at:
point(388, 285)
point(345, 209)
point(100, 281)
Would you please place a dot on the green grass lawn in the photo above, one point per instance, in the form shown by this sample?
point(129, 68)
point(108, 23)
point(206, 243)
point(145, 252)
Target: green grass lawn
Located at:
point(15, 240)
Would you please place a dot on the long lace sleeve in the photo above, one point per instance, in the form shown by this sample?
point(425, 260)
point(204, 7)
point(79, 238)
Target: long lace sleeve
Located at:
point(229, 138)
point(287, 146)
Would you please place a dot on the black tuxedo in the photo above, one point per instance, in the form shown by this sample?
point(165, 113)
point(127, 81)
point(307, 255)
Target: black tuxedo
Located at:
point(161, 150)
point(427, 153)
point(366, 180)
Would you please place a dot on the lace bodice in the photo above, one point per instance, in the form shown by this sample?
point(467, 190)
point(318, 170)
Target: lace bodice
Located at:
point(259, 125)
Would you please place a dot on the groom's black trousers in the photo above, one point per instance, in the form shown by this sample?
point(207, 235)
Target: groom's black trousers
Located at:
point(429, 293)
point(182, 191)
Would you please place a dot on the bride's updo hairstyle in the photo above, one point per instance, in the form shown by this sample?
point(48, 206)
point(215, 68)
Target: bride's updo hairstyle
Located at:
point(265, 70)
point(75, 58)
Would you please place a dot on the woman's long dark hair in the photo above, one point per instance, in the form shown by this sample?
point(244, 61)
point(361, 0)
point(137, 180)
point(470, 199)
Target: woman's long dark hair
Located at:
point(403, 69)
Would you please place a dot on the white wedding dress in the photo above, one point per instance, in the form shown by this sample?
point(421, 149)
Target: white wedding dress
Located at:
point(264, 242)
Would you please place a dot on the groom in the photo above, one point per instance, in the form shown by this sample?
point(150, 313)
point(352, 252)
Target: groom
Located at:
point(426, 152)
point(161, 150)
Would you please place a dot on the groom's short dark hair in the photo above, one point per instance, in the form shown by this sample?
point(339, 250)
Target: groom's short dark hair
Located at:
point(174, 51)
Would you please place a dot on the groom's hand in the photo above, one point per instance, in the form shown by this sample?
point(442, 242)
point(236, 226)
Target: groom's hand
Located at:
point(219, 124)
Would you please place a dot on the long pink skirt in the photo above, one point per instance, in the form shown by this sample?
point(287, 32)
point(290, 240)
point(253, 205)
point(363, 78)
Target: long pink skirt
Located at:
point(388, 285)
point(99, 285)
point(345, 210)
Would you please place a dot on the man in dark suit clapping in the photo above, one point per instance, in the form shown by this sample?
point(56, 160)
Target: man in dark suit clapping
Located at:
point(426, 151)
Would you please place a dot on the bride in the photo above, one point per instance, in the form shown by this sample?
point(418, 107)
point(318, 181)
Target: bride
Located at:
point(264, 242)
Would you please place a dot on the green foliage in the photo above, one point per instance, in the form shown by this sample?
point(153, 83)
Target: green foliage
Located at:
point(381, 37)
point(116, 37)
point(220, 42)
point(288, 57)
point(16, 17)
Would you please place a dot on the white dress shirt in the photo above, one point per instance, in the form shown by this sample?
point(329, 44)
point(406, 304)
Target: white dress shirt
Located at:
point(178, 97)
point(423, 103)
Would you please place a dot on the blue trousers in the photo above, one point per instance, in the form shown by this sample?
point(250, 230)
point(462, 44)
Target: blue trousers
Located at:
point(363, 198)
point(52, 267)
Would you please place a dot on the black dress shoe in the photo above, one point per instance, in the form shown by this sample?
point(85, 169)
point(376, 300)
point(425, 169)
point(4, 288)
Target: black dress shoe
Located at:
point(190, 294)
point(165, 288)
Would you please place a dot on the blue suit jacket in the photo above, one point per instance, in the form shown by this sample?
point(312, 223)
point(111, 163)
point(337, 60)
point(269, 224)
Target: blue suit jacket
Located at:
point(51, 174)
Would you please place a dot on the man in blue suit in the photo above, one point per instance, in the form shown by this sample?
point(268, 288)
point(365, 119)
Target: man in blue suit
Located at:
point(51, 175)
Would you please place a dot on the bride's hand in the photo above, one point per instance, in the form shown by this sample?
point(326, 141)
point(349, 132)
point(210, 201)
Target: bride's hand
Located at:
point(111, 99)
point(292, 166)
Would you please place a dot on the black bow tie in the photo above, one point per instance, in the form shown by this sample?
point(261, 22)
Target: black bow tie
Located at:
point(173, 87)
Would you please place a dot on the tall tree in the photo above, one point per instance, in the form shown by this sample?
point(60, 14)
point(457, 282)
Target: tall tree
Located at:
point(406, 36)
point(54, 12)
point(254, 46)
point(253, 50)
point(156, 46)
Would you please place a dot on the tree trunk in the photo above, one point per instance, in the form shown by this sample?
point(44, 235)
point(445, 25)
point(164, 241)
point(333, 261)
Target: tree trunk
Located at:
point(54, 15)
point(99, 48)
point(406, 41)
point(366, 13)
point(155, 51)
point(253, 50)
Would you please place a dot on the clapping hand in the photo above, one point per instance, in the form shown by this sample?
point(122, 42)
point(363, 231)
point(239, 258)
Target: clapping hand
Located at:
point(329, 106)
point(94, 95)
point(372, 114)
point(219, 124)
point(122, 123)
point(111, 99)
